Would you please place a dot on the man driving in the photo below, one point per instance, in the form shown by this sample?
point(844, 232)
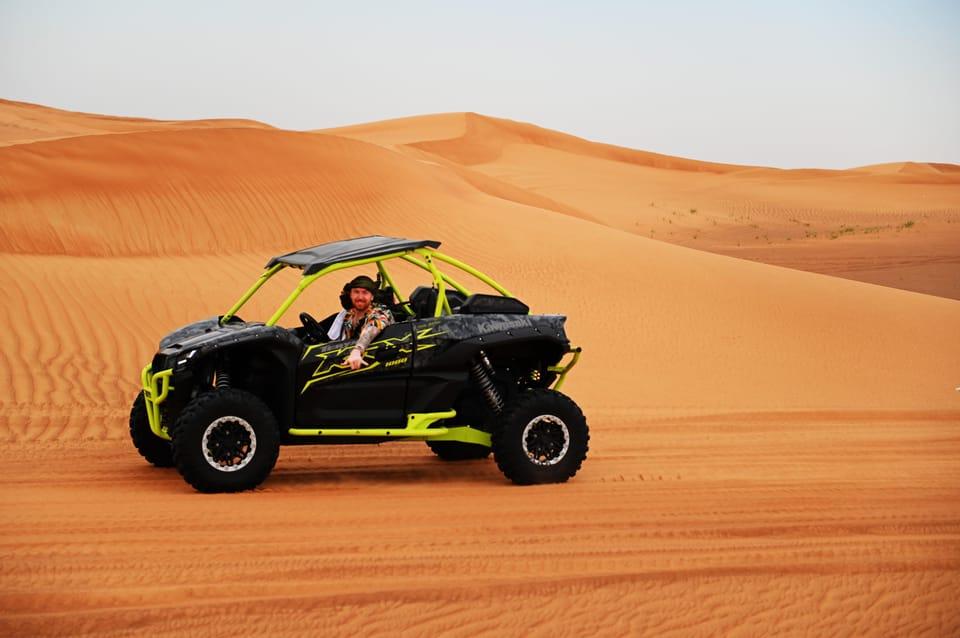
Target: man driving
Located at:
point(364, 320)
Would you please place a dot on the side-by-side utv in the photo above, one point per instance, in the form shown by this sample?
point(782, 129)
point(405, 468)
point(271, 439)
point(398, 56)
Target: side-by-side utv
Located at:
point(467, 373)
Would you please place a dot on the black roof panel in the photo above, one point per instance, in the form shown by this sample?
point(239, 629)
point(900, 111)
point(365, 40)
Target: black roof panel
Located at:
point(315, 259)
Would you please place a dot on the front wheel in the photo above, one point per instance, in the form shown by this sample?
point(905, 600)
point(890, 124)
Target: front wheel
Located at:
point(150, 446)
point(225, 441)
point(542, 437)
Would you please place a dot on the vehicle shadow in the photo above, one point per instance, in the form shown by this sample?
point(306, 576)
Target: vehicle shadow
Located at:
point(403, 470)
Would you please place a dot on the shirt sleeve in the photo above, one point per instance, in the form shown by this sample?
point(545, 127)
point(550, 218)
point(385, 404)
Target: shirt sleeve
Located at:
point(379, 319)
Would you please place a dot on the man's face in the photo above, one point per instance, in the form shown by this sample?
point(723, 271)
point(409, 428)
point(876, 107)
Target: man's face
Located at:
point(361, 298)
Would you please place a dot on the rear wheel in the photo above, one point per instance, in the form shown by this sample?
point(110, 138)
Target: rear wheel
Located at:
point(542, 438)
point(458, 451)
point(225, 441)
point(157, 451)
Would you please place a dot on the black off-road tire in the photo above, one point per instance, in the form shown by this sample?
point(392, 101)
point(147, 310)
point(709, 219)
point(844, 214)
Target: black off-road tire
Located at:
point(228, 417)
point(157, 451)
point(543, 416)
point(458, 450)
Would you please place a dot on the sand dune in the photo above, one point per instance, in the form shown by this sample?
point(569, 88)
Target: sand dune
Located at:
point(481, 139)
point(204, 191)
point(772, 449)
point(914, 168)
point(23, 123)
point(899, 224)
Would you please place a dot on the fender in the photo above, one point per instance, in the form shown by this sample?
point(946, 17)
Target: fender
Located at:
point(454, 341)
point(195, 351)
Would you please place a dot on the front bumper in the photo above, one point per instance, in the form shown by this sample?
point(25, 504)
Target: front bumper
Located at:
point(156, 388)
point(562, 370)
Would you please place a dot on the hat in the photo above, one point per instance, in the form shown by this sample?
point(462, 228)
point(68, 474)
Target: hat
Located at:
point(362, 281)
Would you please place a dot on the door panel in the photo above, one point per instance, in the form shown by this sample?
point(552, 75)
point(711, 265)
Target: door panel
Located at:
point(437, 378)
point(331, 394)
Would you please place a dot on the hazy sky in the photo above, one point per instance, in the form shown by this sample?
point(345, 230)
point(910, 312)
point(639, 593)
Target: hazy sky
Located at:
point(789, 84)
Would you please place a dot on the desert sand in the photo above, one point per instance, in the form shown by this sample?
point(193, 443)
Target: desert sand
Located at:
point(774, 445)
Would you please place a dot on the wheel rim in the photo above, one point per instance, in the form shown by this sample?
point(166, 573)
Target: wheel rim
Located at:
point(229, 444)
point(545, 440)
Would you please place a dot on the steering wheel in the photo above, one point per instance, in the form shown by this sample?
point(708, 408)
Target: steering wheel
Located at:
point(312, 327)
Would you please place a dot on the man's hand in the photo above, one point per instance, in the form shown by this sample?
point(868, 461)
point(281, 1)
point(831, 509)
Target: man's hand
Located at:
point(355, 360)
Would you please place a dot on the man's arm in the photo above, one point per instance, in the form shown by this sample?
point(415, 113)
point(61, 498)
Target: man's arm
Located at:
point(378, 320)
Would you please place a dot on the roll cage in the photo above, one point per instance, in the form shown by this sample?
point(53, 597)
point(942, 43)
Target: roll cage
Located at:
point(422, 256)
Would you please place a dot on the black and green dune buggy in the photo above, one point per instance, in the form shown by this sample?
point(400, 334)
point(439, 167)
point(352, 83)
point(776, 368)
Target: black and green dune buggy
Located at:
point(467, 373)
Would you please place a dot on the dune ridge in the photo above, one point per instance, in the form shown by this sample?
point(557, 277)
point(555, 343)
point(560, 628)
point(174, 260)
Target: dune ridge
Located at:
point(482, 139)
point(25, 123)
point(917, 168)
point(472, 138)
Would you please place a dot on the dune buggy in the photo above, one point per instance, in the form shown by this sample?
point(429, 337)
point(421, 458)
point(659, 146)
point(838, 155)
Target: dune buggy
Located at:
point(468, 373)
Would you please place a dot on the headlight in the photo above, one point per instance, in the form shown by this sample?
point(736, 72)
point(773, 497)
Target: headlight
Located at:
point(184, 361)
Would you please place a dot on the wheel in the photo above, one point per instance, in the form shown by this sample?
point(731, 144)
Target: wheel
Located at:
point(157, 451)
point(542, 437)
point(225, 441)
point(458, 450)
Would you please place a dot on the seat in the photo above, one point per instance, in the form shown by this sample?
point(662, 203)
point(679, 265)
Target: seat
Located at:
point(423, 300)
point(384, 297)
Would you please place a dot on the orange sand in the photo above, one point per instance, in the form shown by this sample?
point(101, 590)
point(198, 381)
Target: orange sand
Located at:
point(772, 449)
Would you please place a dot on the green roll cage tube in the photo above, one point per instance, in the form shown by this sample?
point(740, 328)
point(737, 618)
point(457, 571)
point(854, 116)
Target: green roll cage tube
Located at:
point(156, 387)
point(440, 280)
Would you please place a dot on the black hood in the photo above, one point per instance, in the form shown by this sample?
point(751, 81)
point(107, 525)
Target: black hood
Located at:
point(207, 335)
point(189, 330)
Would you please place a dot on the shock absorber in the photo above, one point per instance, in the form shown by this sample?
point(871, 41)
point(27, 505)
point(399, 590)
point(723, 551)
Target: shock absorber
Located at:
point(481, 371)
point(223, 379)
